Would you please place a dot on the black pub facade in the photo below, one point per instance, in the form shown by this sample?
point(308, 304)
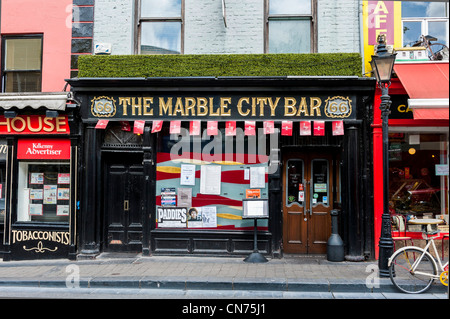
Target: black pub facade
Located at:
point(165, 164)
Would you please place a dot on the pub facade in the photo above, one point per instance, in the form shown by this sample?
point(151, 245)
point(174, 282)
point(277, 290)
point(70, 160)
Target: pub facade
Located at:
point(166, 164)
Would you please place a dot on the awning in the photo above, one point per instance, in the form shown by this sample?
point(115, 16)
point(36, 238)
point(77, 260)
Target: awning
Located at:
point(51, 101)
point(427, 85)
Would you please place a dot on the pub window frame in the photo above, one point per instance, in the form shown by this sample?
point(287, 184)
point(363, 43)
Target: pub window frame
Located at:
point(5, 72)
point(140, 20)
point(312, 17)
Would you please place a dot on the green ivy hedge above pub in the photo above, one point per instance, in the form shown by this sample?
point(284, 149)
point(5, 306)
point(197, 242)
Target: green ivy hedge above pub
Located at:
point(318, 64)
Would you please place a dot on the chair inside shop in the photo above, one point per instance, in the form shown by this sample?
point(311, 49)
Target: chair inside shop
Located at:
point(399, 228)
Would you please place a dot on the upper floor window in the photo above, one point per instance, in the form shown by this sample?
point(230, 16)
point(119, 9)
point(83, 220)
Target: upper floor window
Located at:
point(161, 27)
point(22, 64)
point(289, 26)
point(424, 18)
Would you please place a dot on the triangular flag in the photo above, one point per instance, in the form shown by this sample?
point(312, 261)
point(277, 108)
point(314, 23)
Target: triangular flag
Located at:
point(138, 127)
point(269, 127)
point(250, 128)
point(286, 128)
point(194, 128)
point(157, 126)
point(125, 126)
point(230, 128)
point(175, 127)
point(305, 128)
point(102, 124)
point(212, 128)
point(338, 128)
point(319, 128)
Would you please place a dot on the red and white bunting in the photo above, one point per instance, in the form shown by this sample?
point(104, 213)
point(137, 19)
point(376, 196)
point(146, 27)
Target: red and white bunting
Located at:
point(138, 127)
point(338, 128)
point(175, 127)
point(194, 128)
point(305, 128)
point(157, 126)
point(230, 128)
point(125, 126)
point(212, 128)
point(286, 128)
point(250, 128)
point(102, 124)
point(269, 127)
point(319, 128)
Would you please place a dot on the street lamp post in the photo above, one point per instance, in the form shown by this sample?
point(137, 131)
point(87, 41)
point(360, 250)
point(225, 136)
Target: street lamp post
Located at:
point(382, 65)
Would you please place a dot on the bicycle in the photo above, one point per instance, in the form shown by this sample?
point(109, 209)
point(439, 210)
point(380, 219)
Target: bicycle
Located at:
point(435, 51)
point(413, 269)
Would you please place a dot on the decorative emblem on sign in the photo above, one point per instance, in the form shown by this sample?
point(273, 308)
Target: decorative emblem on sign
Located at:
point(40, 248)
point(103, 106)
point(338, 107)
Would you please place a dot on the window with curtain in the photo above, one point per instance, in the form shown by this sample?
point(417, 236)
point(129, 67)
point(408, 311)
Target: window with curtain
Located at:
point(161, 24)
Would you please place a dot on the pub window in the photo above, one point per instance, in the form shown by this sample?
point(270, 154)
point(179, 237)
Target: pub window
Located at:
point(289, 26)
point(161, 27)
point(43, 191)
point(424, 18)
point(22, 64)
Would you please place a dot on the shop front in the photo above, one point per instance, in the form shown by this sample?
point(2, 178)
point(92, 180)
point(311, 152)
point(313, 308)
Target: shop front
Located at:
point(38, 174)
point(167, 164)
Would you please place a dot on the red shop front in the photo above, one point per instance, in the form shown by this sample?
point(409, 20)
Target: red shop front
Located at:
point(418, 149)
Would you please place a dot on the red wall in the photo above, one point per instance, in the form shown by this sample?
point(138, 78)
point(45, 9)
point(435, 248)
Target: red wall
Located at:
point(48, 17)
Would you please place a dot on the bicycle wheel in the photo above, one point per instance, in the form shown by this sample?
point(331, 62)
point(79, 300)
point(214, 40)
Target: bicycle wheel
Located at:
point(412, 282)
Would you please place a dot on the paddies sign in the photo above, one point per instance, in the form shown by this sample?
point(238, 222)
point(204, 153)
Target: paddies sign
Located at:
point(234, 107)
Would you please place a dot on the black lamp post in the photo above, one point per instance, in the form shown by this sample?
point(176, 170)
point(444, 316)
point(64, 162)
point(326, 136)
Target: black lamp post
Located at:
point(382, 64)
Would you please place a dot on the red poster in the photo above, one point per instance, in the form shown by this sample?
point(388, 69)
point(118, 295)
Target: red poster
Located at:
point(212, 128)
point(44, 149)
point(269, 127)
point(102, 124)
point(250, 128)
point(34, 124)
point(286, 128)
point(338, 128)
point(157, 126)
point(319, 128)
point(175, 127)
point(194, 128)
point(139, 127)
point(125, 126)
point(230, 128)
point(305, 128)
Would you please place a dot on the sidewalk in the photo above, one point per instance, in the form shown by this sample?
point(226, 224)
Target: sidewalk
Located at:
point(291, 273)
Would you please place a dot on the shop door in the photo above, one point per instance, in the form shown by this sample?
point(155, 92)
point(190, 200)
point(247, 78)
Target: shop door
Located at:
point(307, 201)
point(123, 198)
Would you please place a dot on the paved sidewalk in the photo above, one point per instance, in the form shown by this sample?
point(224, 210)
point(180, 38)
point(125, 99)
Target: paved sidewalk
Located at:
point(291, 273)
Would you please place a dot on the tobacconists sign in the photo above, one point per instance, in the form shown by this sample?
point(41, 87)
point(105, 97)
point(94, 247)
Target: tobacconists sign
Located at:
point(221, 107)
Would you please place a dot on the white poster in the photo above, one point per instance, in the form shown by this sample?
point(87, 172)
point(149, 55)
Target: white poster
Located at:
point(50, 194)
point(210, 179)
point(209, 216)
point(187, 174)
point(257, 177)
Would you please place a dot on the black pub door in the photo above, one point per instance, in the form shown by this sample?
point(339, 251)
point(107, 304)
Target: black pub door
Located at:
point(123, 202)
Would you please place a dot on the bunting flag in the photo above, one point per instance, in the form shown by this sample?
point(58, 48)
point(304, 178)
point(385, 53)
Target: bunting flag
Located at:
point(230, 128)
point(125, 126)
point(194, 128)
point(101, 124)
point(319, 128)
point(212, 128)
point(175, 127)
point(157, 126)
point(338, 128)
point(305, 128)
point(286, 128)
point(250, 128)
point(138, 127)
point(269, 127)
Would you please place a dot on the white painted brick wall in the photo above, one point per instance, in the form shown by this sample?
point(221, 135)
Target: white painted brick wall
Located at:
point(114, 23)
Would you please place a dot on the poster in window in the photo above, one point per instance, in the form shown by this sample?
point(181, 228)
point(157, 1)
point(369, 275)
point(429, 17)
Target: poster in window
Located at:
point(210, 179)
point(36, 194)
point(62, 210)
point(194, 218)
point(187, 174)
point(36, 178)
point(63, 193)
point(36, 209)
point(209, 216)
point(50, 194)
point(185, 197)
point(257, 177)
point(63, 178)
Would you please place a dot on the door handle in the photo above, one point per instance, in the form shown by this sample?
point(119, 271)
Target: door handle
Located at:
point(126, 205)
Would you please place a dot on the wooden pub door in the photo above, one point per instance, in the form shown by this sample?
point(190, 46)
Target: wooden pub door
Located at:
point(307, 202)
point(123, 202)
